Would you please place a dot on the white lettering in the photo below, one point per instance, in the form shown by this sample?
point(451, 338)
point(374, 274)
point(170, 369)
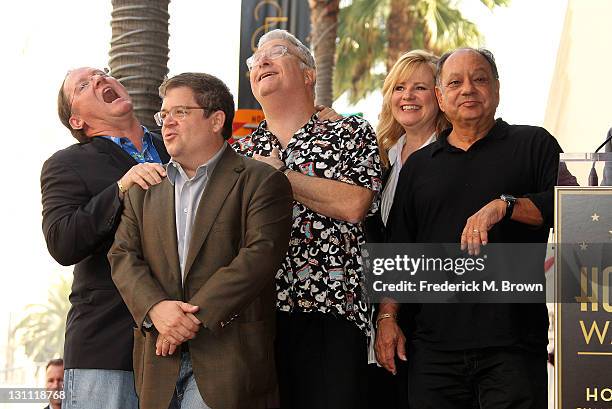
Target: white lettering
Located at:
point(489, 286)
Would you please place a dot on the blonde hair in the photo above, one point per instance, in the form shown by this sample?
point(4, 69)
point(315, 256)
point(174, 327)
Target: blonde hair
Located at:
point(389, 130)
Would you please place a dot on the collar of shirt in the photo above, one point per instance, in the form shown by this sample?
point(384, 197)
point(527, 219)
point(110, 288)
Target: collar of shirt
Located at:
point(395, 151)
point(498, 131)
point(305, 129)
point(174, 169)
point(148, 154)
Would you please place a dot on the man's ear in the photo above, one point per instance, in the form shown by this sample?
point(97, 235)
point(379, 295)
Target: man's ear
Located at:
point(76, 123)
point(218, 119)
point(440, 98)
point(310, 76)
point(496, 93)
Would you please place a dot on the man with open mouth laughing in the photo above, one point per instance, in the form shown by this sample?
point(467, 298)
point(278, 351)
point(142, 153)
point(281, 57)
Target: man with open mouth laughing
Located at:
point(334, 170)
point(82, 194)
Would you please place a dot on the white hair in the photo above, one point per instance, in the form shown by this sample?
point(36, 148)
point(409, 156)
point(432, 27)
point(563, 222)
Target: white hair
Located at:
point(308, 59)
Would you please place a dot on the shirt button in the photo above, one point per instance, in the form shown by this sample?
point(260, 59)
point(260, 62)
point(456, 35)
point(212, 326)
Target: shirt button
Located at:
point(185, 210)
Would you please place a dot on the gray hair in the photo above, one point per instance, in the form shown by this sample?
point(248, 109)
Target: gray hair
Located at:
point(486, 54)
point(290, 38)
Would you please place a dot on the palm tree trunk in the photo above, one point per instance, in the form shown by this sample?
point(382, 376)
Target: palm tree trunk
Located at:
point(400, 29)
point(138, 57)
point(324, 26)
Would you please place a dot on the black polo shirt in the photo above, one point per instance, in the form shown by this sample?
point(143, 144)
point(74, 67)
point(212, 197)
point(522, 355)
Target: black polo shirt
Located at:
point(440, 186)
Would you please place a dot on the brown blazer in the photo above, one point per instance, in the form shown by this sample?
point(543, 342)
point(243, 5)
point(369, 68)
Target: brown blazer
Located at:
point(240, 238)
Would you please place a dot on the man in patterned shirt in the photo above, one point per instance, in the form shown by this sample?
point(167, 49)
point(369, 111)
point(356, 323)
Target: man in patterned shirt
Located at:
point(334, 170)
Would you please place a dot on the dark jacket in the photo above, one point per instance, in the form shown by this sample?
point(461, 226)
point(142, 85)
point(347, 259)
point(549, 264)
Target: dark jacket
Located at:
point(81, 211)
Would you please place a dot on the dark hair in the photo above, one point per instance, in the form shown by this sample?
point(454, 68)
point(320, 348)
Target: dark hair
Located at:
point(55, 362)
point(210, 93)
point(63, 111)
point(488, 55)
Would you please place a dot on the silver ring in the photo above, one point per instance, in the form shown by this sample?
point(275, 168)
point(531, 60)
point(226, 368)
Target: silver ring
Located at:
point(476, 231)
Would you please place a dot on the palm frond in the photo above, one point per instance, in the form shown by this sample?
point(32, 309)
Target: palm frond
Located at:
point(491, 4)
point(363, 43)
point(41, 331)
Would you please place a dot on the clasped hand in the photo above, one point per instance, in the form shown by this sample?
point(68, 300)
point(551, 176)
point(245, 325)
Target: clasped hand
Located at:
point(175, 322)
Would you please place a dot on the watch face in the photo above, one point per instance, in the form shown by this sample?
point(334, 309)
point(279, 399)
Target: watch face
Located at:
point(508, 198)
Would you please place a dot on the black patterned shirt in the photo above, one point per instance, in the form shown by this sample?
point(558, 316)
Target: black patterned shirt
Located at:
point(322, 271)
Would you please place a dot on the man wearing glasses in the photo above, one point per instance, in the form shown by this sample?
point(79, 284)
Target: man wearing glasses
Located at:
point(334, 171)
point(195, 256)
point(82, 194)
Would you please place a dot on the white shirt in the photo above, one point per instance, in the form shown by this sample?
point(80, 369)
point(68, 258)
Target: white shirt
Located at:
point(395, 161)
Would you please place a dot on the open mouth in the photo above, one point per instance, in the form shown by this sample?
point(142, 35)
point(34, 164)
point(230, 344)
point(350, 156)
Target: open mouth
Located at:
point(410, 107)
point(109, 95)
point(266, 75)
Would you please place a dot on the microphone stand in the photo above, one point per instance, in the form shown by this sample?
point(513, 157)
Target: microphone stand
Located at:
point(593, 178)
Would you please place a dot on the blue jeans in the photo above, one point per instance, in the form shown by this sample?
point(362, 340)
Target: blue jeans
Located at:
point(187, 394)
point(99, 388)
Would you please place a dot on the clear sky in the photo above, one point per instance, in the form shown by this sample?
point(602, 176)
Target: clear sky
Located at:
point(43, 39)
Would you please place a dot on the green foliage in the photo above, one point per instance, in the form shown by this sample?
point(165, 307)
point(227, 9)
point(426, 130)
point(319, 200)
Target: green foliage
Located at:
point(492, 3)
point(363, 44)
point(448, 29)
point(42, 330)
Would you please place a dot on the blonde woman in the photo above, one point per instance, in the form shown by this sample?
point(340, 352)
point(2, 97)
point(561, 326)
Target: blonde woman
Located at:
point(410, 117)
point(409, 120)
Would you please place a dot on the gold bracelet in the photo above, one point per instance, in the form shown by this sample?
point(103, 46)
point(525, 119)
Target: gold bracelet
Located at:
point(121, 188)
point(385, 316)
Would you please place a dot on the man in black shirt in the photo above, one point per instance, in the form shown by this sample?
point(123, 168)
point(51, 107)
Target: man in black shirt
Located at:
point(482, 181)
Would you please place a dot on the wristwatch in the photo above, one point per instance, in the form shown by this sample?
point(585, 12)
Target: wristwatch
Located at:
point(122, 189)
point(510, 202)
point(285, 169)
